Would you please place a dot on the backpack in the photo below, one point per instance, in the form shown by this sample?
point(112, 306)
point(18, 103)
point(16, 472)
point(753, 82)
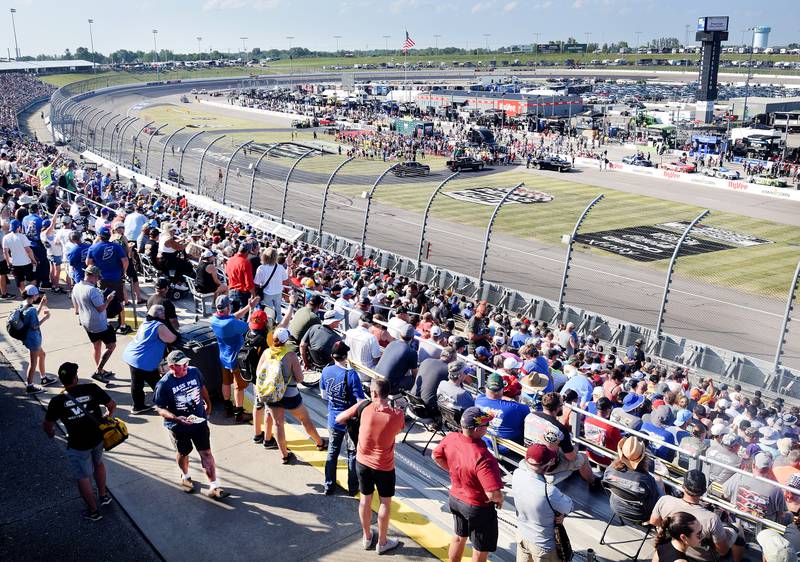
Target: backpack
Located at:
point(354, 423)
point(270, 383)
point(16, 326)
point(248, 356)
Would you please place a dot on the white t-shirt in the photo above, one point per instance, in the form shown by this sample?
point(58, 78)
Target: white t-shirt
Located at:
point(275, 285)
point(16, 242)
point(364, 347)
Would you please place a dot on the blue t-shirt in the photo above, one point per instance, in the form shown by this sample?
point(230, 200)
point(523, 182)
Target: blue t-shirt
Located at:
point(108, 257)
point(509, 418)
point(537, 365)
point(77, 261)
point(660, 432)
point(519, 339)
point(32, 227)
point(581, 385)
point(343, 389)
point(181, 396)
point(230, 338)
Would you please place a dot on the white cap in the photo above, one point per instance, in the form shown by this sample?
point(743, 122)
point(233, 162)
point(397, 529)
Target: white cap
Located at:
point(436, 331)
point(280, 335)
point(774, 547)
point(511, 363)
point(719, 429)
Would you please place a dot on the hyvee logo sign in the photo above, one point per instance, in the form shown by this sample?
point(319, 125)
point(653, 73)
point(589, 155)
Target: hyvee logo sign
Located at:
point(493, 195)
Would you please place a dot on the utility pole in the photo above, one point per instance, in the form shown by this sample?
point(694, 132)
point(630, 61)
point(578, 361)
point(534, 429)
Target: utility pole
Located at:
point(638, 38)
point(337, 37)
point(199, 47)
point(14, 27)
point(244, 48)
point(749, 75)
point(386, 44)
point(685, 35)
point(91, 45)
point(486, 36)
point(291, 63)
point(436, 39)
point(155, 50)
point(536, 51)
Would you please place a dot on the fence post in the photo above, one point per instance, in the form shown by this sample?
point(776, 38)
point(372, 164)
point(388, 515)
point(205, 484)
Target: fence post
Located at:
point(120, 138)
point(787, 316)
point(135, 141)
point(84, 122)
point(489, 233)
point(92, 128)
point(228, 167)
point(369, 204)
point(325, 196)
point(255, 169)
point(288, 177)
point(164, 151)
point(425, 219)
point(82, 113)
point(670, 271)
point(202, 158)
point(568, 257)
point(147, 148)
point(183, 151)
point(75, 109)
point(119, 127)
point(103, 134)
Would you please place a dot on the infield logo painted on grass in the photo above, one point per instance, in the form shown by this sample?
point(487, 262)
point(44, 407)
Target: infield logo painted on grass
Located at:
point(493, 195)
point(647, 243)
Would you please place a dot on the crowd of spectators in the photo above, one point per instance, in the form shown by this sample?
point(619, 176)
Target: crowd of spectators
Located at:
point(17, 90)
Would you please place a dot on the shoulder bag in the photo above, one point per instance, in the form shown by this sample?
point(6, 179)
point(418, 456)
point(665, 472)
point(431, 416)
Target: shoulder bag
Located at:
point(114, 430)
point(563, 544)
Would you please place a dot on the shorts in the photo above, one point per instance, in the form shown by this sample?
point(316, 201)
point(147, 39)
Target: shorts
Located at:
point(83, 463)
point(369, 479)
point(531, 552)
point(229, 376)
point(56, 260)
point(131, 272)
point(477, 523)
point(107, 336)
point(22, 273)
point(184, 436)
point(287, 402)
point(116, 285)
point(4, 269)
point(566, 466)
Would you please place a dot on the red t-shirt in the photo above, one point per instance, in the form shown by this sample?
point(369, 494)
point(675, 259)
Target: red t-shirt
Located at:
point(473, 469)
point(602, 434)
point(379, 426)
point(240, 273)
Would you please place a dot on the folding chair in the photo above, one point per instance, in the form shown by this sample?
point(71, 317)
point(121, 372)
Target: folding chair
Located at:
point(418, 412)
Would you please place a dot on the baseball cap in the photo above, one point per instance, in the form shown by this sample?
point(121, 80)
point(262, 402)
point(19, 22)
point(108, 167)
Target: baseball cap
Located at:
point(775, 548)
point(347, 291)
point(763, 460)
point(475, 417)
point(207, 254)
point(682, 417)
point(494, 382)
point(104, 231)
point(511, 363)
point(695, 483)
point(730, 440)
point(258, 320)
point(455, 369)
point(92, 270)
point(540, 454)
point(340, 350)
point(177, 357)
point(436, 331)
point(407, 331)
point(316, 300)
point(280, 335)
point(481, 351)
point(31, 290)
point(718, 429)
point(15, 225)
point(222, 302)
point(459, 342)
point(331, 317)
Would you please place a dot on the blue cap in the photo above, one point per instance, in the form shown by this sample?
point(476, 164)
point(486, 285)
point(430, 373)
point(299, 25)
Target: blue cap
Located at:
point(682, 417)
point(348, 291)
point(482, 352)
point(153, 223)
point(15, 225)
point(632, 401)
point(46, 223)
point(104, 231)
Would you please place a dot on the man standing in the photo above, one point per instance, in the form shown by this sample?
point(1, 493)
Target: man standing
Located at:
point(182, 400)
point(539, 506)
point(112, 261)
point(76, 407)
point(380, 424)
point(230, 331)
point(18, 254)
point(477, 331)
point(239, 272)
point(90, 307)
point(477, 484)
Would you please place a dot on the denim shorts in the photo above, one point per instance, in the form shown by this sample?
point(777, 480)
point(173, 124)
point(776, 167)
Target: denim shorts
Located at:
point(57, 260)
point(83, 463)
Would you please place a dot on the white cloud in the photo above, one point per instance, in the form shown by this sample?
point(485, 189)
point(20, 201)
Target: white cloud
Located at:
point(261, 5)
point(511, 6)
point(481, 6)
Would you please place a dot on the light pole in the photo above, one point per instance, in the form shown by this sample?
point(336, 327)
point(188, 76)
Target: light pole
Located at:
point(291, 64)
point(536, 50)
point(749, 74)
point(588, 35)
point(244, 48)
point(14, 27)
point(436, 40)
point(199, 45)
point(638, 37)
point(91, 45)
point(486, 36)
point(155, 51)
point(386, 44)
point(337, 37)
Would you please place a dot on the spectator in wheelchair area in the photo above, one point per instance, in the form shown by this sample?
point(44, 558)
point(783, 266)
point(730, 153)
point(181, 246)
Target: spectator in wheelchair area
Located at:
point(206, 279)
point(318, 341)
point(634, 490)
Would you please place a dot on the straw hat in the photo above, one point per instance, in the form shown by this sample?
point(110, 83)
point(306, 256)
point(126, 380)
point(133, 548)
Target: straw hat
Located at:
point(631, 452)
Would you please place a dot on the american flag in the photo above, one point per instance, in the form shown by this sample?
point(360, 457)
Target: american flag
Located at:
point(408, 43)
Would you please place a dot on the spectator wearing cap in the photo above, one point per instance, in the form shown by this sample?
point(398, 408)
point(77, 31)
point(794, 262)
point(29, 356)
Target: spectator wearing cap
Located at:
point(305, 318)
point(206, 278)
point(90, 306)
point(679, 428)
point(398, 363)
point(143, 355)
point(160, 298)
point(521, 337)
point(768, 440)
point(270, 278)
point(431, 346)
point(318, 341)
point(33, 317)
point(431, 373)
point(239, 272)
point(775, 548)
point(112, 261)
point(476, 491)
point(364, 347)
point(182, 400)
point(540, 506)
point(346, 302)
point(398, 322)
point(32, 228)
point(582, 385)
point(342, 387)
point(634, 491)
point(601, 433)
point(724, 449)
point(54, 246)
point(118, 236)
point(73, 408)
point(634, 355)
point(716, 539)
point(76, 256)
point(656, 426)
point(508, 417)
point(19, 255)
point(756, 497)
point(230, 330)
point(170, 257)
point(630, 413)
point(478, 333)
point(451, 392)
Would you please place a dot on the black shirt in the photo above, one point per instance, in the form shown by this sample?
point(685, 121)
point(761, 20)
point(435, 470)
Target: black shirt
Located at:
point(169, 308)
point(83, 433)
point(431, 372)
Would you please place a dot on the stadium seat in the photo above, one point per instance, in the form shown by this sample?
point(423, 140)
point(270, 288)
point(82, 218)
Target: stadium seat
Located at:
point(418, 413)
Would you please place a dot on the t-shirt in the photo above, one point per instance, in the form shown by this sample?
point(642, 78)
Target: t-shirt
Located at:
point(397, 360)
point(16, 242)
point(661, 433)
point(45, 175)
point(302, 320)
point(379, 427)
point(536, 522)
point(88, 298)
point(473, 469)
point(710, 523)
point(320, 340)
point(134, 222)
point(181, 396)
point(230, 333)
point(275, 286)
point(519, 339)
point(454, 395)
point(32, 227)
point(240, 273)
point(431, 373)
point(343, 389)
point(364, 347)
point(717, 452)
point(509, 417)
point(538, 423)
point(755, 497)
point(602, 434)
point(83, 433)
point(77, 261)
point(108, 257)
point(476, 326)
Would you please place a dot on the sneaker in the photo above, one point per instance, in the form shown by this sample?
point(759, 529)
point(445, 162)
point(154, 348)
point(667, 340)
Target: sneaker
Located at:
point(187, 485)
point(367, 543)
point(7, 296)
point(180, 287)
point(124, 330)
point(100, 377)
point(47, 381)
point(33, 389)
point(258, 439)
point(389, 545)
point(109, 374)
point(329, 491)
point(144, 409)
point(218, 493)
point(270, 443)
point(290, 458)
point(91, 515)
point(105, 499)
point(242, 417)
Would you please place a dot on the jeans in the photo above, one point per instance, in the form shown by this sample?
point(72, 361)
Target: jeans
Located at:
point(334, 447)
point(274, 301)
point(138, 378)
point(238, 300)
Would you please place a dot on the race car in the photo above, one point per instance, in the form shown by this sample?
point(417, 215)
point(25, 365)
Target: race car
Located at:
point(411, 169)
point(764, 179)
point(551, 163)
point(678, 166)
point(636, 161)
point(301, 123)
point(326, 122)
point(722, 173)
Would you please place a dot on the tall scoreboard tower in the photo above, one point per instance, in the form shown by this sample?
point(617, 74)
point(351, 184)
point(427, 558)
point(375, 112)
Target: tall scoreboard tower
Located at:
point(711, 32)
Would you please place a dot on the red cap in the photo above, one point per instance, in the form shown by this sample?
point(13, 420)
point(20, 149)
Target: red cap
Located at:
point(258, 320)
point(540, 454)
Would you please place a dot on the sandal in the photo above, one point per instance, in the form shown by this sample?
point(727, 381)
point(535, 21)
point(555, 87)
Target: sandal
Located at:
point(323, 446)
point(289, 458)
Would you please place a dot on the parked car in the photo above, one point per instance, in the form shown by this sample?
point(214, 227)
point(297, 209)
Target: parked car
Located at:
point(678, 166)
point(326, 121)
point(635, 160)
point(465, 163)
point(764, 179)
point(301, 123)
point(551, 163)
point(411, 169)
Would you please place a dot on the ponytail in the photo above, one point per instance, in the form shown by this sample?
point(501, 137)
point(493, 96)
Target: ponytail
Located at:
point(673, 526)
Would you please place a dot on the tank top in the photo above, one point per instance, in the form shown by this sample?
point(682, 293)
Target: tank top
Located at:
point(146, 349)
point(163, 248)
point(202, 278)
point(291, 384)
point(668, 553)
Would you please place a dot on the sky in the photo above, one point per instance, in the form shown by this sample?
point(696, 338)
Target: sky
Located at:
point(51, 26)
